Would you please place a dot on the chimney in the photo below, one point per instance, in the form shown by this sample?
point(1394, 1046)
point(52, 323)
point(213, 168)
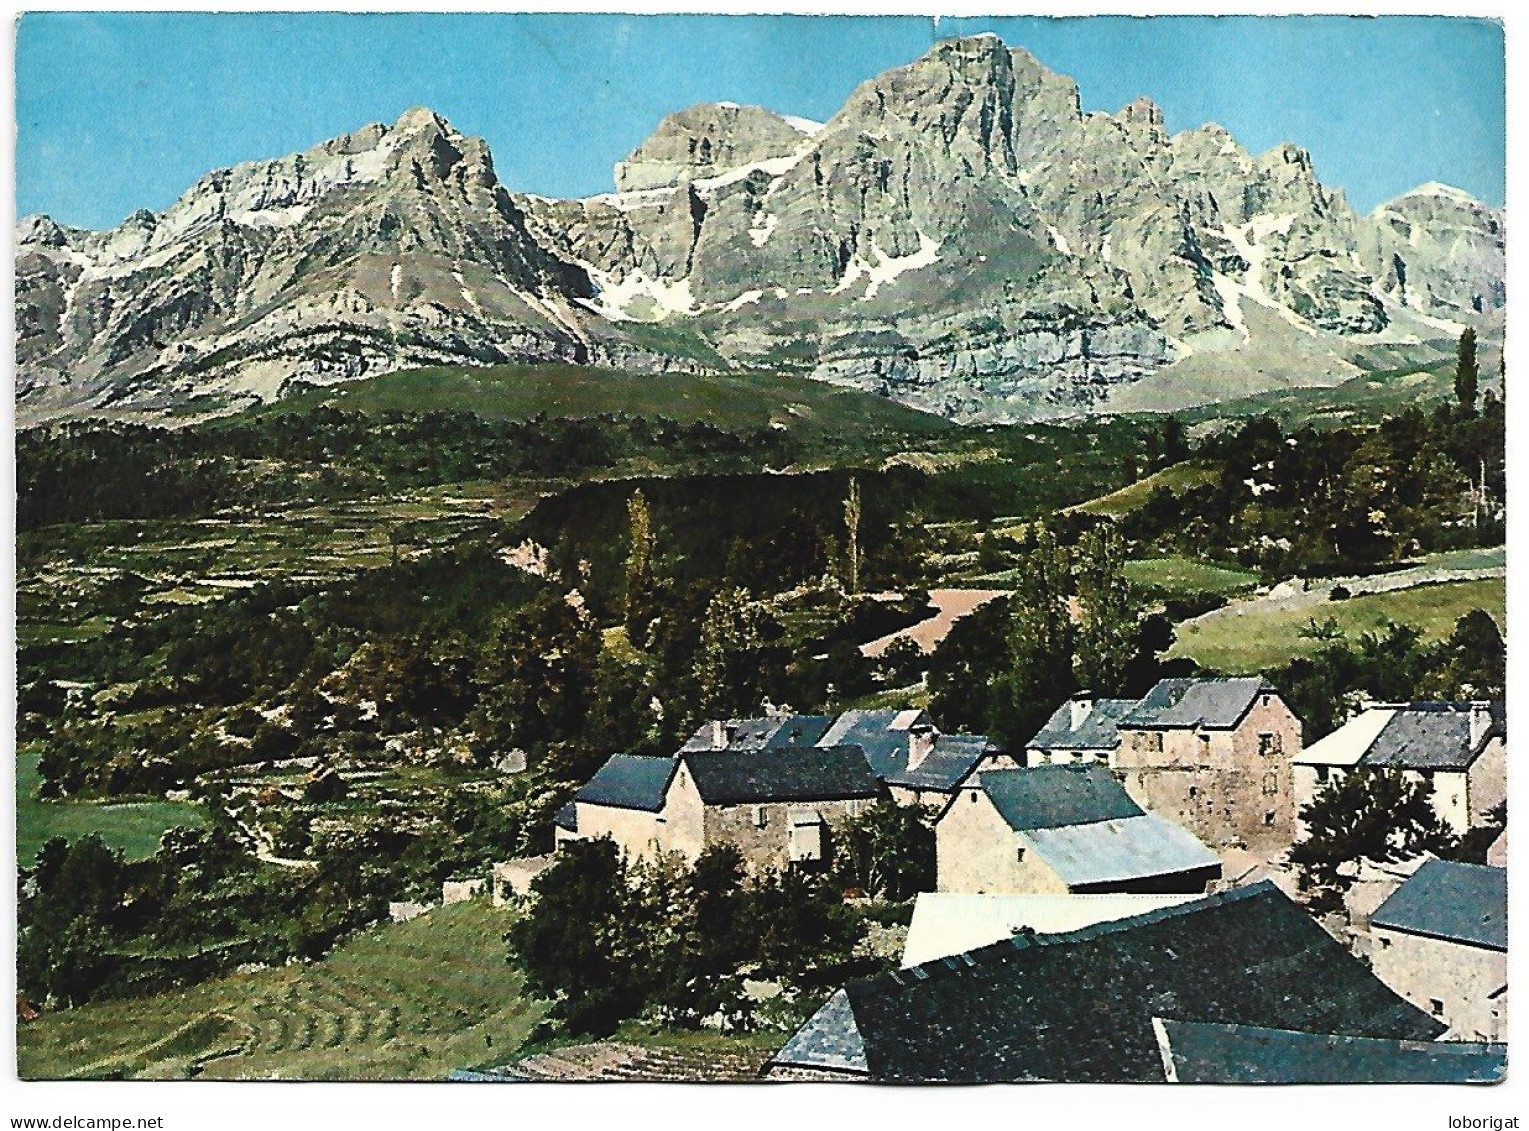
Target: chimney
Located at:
point(1481, 720)
point(920, 744)
point(719, 735)
point(1080, 704)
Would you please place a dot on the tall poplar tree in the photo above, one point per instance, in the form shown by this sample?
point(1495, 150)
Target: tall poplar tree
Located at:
point(1109, 614)
point(1467, 374)
point(852, 537)
point(1041, 641)
point(639, 570)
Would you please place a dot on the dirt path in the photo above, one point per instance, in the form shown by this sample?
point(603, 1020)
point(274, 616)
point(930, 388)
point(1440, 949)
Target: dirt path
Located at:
point(953, 604)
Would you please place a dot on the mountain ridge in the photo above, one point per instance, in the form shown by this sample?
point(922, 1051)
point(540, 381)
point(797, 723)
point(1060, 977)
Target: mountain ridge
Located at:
point(960, 236)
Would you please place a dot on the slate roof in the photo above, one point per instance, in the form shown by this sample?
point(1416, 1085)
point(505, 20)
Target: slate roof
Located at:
point(1175, 704)
point(629, 781)
point(1433, 736)
point(736, 777)
point(568, 817)
point(801, 730)
point(855, 725)
point(1464, 903)
point(953, 758)
point(1045, 797)
point(883, 735)
point(757, 734)
point(832, 1044)
point(744, 734)
point(1107, 853)
point(1079, 1006)
point(1200, 1053)
point(1096, 732)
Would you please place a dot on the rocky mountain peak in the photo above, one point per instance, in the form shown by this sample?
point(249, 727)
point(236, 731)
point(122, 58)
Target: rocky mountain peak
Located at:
point(704, 140)
point(40, 230)
point(1142, 112)
point(422, 119)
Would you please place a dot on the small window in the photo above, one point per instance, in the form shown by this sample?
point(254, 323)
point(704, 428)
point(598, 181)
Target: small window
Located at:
point(1435, 1006)
point(973, 796)
point(1270, 745)
point(1385, 943)
point(1271, 782)
point(1019, 854)
point(1194, 791)
point(1269, 819)
point(760, 817)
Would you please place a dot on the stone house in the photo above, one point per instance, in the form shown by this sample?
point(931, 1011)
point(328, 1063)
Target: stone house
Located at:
point(1081, 1006)
point(1083, 729)
point(1062, 830)
point(777, 805)
point(1441, 942)
point(1457, 751)
point(624, 801)
point(1215, 756)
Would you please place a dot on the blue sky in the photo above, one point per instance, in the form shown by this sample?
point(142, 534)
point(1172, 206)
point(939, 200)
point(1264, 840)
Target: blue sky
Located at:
point(119, 111)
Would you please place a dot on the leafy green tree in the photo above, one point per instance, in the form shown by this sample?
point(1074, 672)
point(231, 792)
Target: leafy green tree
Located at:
point(638, 608)
point(534, 677)
point(962, 694)
point(1467, 374)
point(578, 944)
point(730, 663)
point(65, 936)
point(802, 930)
point(624, 713)
point(1109, 613)
point(1041, 643)
point(702, 940)
point(887, 851)
point(1471, 664)
point(1369, 814)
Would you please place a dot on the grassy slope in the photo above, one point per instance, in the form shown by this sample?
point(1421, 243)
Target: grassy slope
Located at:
point(404, 1001)
point(1178, 479)
point(1186, 575)
point(134, 827)
point(1366, 396)
point(1263, 639)
point(518, 392)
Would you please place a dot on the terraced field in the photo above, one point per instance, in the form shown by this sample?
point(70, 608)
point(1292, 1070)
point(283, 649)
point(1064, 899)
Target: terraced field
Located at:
point(404, 1001)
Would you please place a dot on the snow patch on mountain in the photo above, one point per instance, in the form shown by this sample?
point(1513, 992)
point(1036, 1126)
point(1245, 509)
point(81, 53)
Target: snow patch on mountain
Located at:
point(764, 226)
point(638, 297)
point(885, 269)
